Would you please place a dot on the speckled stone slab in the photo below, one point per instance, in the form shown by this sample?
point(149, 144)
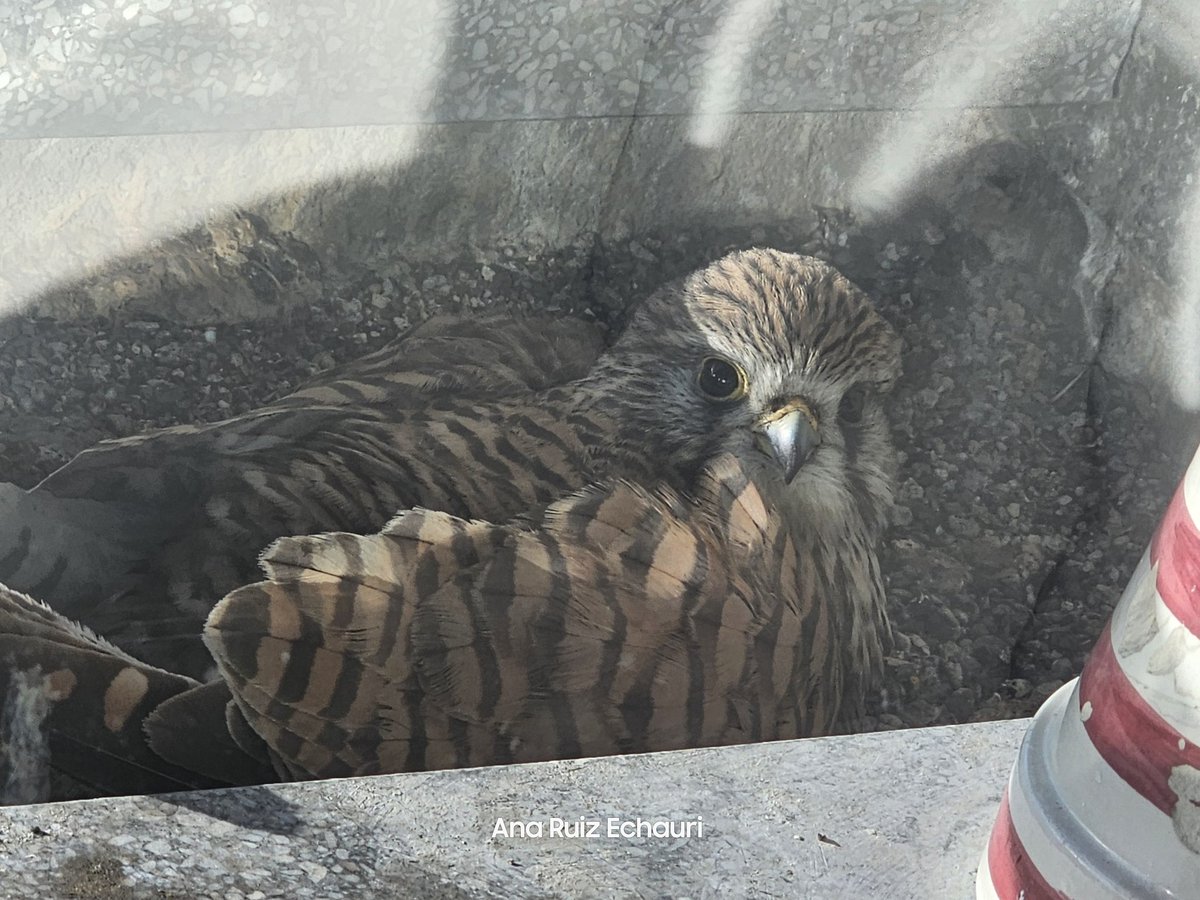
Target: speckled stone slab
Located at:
point(150, 66)
point(806, 55)
point(902, 814)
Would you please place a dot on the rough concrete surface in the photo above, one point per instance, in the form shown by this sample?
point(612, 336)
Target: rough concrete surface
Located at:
point(475, 136)
point(901, 814)
point(139, 66)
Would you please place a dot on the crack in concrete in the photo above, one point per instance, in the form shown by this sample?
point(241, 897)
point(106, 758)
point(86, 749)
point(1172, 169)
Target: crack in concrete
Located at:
point(1097, 266)
point(607, 201)
point(1138, 14)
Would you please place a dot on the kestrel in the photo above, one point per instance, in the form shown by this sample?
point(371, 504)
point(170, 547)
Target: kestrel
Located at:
point(676, 548)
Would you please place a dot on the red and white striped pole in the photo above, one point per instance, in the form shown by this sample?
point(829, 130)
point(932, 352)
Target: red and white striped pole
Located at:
point(1104, 800)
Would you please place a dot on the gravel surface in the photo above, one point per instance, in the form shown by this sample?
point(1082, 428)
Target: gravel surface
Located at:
point(1031, 480)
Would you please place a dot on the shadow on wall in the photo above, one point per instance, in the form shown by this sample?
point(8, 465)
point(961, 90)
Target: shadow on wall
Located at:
point(468, 191)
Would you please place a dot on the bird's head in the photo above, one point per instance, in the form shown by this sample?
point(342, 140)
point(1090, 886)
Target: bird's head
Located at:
point(775, 357)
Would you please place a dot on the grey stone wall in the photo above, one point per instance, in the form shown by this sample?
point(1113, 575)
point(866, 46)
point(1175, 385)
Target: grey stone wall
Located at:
point(448, 128)
point(153, 66)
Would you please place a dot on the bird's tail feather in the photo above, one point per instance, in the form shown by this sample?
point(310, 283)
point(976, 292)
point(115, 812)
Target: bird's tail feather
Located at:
point(73, 712)
point(230, 752)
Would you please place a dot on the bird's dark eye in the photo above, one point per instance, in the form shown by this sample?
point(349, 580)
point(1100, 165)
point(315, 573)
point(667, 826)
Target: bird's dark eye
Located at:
point(850, 410)
point(719, 379)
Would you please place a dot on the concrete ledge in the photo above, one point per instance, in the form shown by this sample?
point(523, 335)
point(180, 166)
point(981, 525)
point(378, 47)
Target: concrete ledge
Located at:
point(901, 814)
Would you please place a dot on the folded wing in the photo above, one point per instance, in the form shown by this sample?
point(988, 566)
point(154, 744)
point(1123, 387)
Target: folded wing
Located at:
point(627, 620)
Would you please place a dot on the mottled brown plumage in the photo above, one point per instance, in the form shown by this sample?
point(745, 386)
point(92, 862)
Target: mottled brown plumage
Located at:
point(628, 621)
point(506, 615)
point(138, 537)
point(70, 702)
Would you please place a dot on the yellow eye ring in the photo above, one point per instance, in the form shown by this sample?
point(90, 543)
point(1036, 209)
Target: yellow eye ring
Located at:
point(722, 380)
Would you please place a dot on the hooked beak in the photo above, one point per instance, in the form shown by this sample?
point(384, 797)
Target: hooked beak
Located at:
point(791, 434)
